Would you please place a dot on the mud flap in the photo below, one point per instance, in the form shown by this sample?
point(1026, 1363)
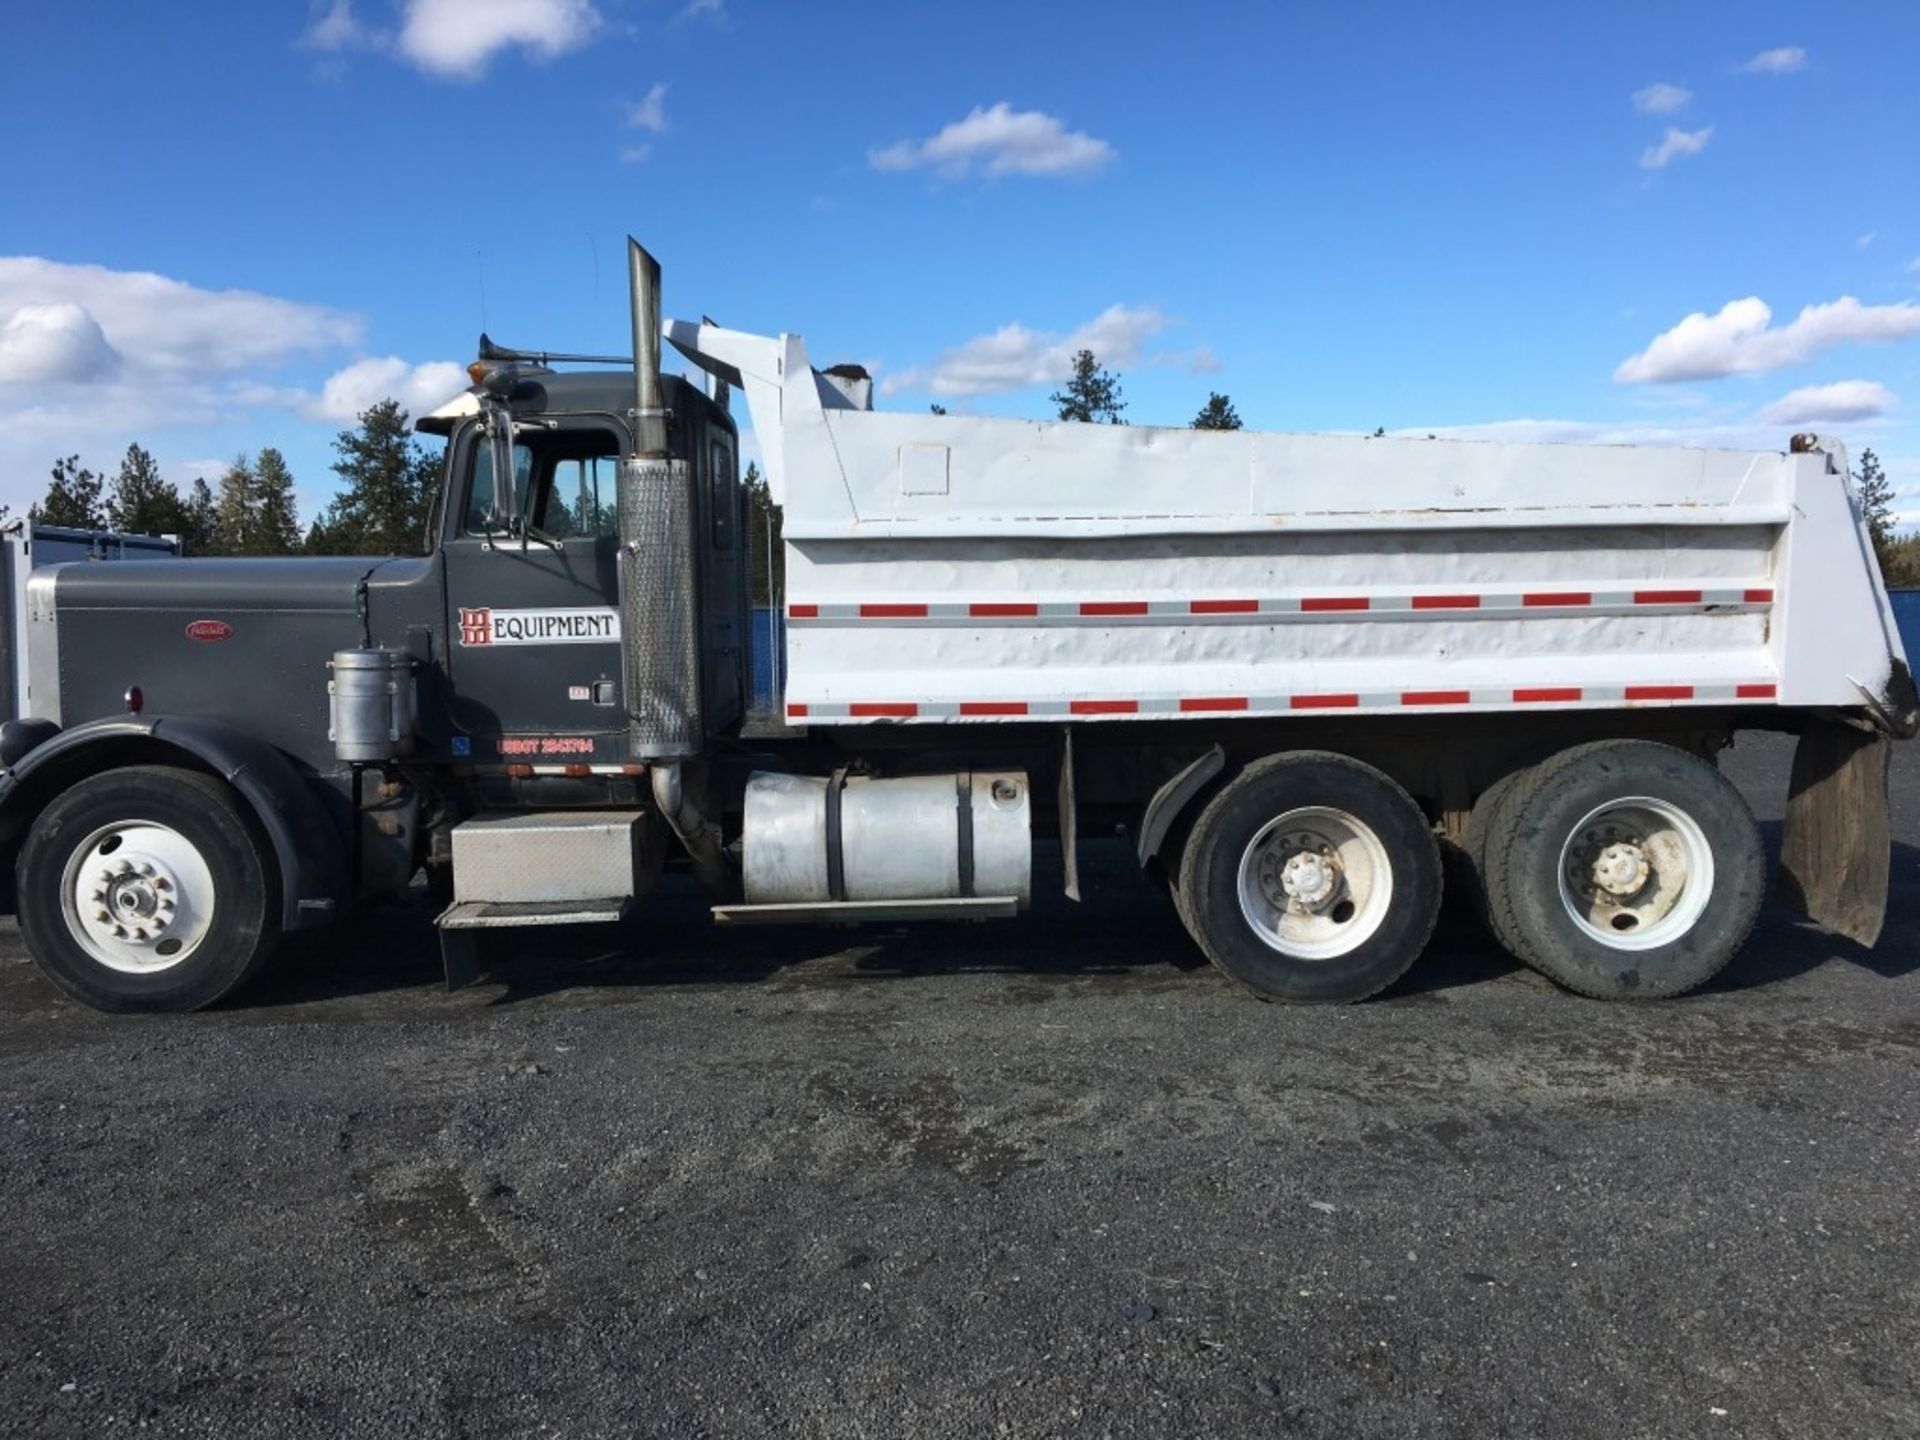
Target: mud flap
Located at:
point(1835, 854)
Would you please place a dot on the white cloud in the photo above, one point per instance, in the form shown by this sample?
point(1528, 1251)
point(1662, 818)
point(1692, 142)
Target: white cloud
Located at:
point(53, 343)
point(1914, 265)
point(1674, 144)
point(1741, 339)
point(1865, 241)
point(1000, 140)
point(1782, 61)
point(1017, 358)
point(715, 9)
point(650, 114)
point(634, 154)
point(1842, 403)
point(365, 383)
point(336, 27)
point(163, 327)
point(1661, 98)
point(459, 38)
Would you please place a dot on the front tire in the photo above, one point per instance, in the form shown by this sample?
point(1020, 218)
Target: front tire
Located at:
point(1311, 878)
point(148, 888)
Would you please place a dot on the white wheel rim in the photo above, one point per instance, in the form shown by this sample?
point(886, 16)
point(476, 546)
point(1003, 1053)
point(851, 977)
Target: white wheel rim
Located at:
point(1315, 883)
point(1636, 873)
point(137, 896)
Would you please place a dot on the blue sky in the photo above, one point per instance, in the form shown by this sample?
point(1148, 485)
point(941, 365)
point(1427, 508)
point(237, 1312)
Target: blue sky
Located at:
point(227, 227)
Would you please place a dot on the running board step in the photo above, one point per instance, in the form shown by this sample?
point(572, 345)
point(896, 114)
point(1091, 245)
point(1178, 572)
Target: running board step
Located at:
point(862, 912)
point(460, 924)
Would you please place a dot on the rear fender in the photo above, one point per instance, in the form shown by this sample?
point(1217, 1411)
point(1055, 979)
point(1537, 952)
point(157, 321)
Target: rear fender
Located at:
point(309, 847)
point(1835, 853)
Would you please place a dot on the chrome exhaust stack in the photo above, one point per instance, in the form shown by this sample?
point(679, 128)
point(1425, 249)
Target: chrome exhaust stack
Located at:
point(649, 410)
point(659, 594)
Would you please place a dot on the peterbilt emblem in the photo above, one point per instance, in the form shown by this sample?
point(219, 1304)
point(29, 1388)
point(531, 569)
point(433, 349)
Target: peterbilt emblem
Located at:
point(487, 626)
point(209, 630)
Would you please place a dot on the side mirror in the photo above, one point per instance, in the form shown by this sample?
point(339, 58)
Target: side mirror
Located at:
point(504, 510)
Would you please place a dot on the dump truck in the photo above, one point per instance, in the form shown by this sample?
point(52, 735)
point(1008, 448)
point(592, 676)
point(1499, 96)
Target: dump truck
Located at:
point(1314, 677)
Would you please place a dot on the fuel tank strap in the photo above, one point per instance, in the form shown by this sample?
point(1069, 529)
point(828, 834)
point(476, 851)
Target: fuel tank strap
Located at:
point(963, 811)
point(836, 862)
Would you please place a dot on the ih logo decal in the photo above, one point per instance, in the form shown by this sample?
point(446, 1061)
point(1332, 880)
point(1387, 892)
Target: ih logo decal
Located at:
point(485, 625)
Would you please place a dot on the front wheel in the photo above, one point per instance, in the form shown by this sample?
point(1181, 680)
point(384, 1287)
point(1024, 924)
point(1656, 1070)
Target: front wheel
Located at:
point(147, 888)
point(1311, 878)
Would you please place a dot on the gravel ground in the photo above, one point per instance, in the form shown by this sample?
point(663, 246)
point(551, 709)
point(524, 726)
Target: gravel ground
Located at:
point(1046, 1178)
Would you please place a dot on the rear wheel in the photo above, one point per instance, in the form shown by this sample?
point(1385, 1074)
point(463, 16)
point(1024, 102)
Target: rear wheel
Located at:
point(1312, 878)
point(1625, 869)
point(147, 888)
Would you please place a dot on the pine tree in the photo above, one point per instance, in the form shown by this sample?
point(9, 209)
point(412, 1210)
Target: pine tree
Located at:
point(276, 525)
point(1092, 393)
point(1217, 414)
point(199, 520)
point(767, 581)
point(235, 513)
point(1875, 494)
point(386, 489)
point(142, 503)
point(72, 499)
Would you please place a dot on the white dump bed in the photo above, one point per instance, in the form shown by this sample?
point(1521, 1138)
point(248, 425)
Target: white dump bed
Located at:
point(952, 568)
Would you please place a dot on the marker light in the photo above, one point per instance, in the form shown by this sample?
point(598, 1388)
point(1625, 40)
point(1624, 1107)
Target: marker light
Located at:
point(135, 700)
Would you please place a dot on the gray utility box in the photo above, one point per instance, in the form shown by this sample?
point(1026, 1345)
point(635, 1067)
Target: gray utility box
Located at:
point(543, 859)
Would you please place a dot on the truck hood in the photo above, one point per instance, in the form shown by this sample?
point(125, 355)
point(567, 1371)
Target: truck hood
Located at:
point(239, 583)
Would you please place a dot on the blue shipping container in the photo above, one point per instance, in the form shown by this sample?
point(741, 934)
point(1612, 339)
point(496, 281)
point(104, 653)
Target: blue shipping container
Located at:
point(1906, 614)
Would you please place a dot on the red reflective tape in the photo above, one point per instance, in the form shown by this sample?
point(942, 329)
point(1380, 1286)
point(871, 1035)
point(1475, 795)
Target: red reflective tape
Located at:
point(1666, 597)
point(1194, 703)
point(1224, 607)
point(1756, 692)
point(893, 612)
point(1760, 596)
point(1335, 602)
point(1104, 707)
point(1558, 597)
point(1659, 692)
point(1324, 702)
point(886, 710)
point(576, 771)
point(520, 772)
point(798, 710)
point(1113, 607)
point(993, 707)
point(1546, 693)
point(994, 609)
point(1446, 602)
point(1437, 697)
point(803, 612)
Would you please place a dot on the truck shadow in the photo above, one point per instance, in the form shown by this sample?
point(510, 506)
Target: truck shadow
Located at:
point(1125, 929)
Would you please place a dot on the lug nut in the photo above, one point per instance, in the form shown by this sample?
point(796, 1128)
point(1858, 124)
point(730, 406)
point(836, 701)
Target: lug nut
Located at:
point(162, 883)
point(119, 932)
point(101, 915)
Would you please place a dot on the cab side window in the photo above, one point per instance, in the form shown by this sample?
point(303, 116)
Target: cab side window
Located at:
point(567, 483)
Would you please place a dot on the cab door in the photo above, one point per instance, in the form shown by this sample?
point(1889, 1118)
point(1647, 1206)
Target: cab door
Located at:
point(533, 619)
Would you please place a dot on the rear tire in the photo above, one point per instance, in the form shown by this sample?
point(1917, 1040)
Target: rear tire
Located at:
point(148, 888)
point(1487, 823)
point(1626, 869)
point(1311, 878)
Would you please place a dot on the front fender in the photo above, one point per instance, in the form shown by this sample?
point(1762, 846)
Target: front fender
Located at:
point(309, 845)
